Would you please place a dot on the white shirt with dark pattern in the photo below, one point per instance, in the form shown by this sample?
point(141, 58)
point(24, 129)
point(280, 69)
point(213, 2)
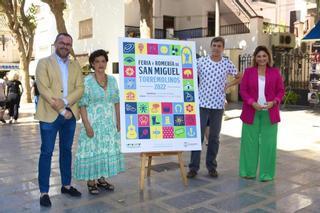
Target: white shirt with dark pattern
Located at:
point(212, 80)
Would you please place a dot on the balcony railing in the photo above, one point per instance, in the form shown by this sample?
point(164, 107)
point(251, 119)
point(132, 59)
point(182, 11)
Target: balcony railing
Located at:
point(235, 29)
point(193, 33)
point(266, 1)
point(190, 33)
point(275, 28)
point(159, 33)
point(133, 31)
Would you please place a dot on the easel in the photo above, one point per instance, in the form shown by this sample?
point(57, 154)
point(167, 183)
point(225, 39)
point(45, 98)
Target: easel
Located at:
point(149, 155)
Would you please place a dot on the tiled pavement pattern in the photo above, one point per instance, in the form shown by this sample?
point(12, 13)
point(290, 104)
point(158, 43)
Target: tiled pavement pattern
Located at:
point(296, 189)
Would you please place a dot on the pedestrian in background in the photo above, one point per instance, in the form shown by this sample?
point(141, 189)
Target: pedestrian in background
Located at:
point(34, 91)
point(14, 93)
point(3, 99)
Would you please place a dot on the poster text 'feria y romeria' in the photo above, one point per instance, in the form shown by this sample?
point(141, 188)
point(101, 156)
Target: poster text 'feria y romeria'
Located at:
point(158, 96)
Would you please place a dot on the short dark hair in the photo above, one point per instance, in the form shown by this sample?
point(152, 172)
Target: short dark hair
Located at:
point(217, 39)
point(96, 54)
point(62, 34)
point(263, 49)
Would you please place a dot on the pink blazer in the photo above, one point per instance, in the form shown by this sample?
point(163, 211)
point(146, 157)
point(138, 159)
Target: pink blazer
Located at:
point(274, 91)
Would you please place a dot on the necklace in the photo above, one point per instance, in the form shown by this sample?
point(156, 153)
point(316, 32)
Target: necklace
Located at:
point(102, 83)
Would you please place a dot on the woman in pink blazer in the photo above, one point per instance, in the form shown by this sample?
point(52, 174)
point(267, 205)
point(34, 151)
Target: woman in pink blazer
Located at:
point(261, 90)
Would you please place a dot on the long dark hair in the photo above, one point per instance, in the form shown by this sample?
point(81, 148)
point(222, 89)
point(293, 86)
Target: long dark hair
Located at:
point(264, 49)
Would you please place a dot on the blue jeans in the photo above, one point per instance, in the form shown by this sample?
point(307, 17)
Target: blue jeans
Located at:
point(48, 131)
point(215, 118)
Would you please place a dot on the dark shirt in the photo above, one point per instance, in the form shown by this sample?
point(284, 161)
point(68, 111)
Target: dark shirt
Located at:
point(13, 87)
point(36, 91)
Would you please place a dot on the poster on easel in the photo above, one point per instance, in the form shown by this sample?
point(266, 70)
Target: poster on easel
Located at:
point(159, 106)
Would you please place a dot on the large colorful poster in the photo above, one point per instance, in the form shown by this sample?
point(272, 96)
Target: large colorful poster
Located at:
point(158, 95)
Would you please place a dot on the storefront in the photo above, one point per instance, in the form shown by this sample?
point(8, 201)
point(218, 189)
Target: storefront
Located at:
point(6, 67)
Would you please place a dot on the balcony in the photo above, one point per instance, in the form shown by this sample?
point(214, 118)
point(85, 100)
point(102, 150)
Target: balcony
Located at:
point(232, 29)
point(266, 1)
point(270, 28)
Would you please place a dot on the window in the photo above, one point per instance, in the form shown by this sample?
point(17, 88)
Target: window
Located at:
point(85, 29)
point(211, 24)
point(294, 16)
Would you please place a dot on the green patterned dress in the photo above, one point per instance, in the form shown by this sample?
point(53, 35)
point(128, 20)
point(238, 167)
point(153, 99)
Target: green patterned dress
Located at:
point(100, 155)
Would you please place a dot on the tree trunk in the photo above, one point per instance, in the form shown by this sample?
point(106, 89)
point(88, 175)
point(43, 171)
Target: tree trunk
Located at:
point(146, 19)
point(318, 11)
point(57, 11)
point(24, 57)
point(24, 67)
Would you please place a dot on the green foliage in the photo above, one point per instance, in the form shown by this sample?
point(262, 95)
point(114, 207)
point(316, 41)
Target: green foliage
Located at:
point(31, 15)
point(291, 97)
point(86, 69)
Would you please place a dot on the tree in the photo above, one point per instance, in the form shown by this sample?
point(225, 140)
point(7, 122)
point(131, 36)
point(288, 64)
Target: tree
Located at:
point(318, 10)
point(146, 19)
point(57, 7)
point(22, 25)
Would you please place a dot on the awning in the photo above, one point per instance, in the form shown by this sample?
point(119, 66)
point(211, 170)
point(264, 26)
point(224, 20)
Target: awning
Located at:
point(9, 66)
point(314, 34)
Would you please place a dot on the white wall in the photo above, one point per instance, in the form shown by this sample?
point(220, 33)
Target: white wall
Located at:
point(194, 15)
point(246, 42)
point(187, 13)
point(46, 32)
point(10, 54)
point(280, 13)
point(107, 24)
point(132, 12)
point(166, 8)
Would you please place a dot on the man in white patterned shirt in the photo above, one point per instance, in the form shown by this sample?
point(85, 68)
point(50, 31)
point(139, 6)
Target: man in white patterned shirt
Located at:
point(212, 72)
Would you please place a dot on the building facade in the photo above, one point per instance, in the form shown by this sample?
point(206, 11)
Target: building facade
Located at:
point(9, 55)
point(243, 23)
point(92, 24)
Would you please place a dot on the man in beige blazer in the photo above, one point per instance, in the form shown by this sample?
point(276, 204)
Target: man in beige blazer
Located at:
point(60, 84)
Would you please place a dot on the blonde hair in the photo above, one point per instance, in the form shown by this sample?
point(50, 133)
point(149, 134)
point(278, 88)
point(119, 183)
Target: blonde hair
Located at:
point(13, 75)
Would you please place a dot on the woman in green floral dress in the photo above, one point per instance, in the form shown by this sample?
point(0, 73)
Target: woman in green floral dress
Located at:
point(98, 155)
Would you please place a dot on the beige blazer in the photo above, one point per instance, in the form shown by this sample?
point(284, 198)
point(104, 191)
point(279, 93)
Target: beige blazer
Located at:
point(49, 83)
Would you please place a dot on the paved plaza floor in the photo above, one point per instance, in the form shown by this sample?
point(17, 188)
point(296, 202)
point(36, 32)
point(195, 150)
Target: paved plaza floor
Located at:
point(295, 189)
